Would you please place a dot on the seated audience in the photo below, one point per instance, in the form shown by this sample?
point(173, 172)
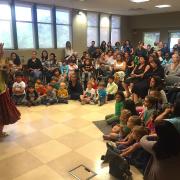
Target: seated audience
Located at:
point(120, 130)
point(156, 84)
point(92, 49)
point(87, 71)
point(111, 89)
point(34, 66)
point(16, 62)
point(150, 106)
point(140, 89)
point(74, 88)
point(88, 95)
point(50, 66)
point(172, 71)
point(64, 69)
point(50, 97)
point(101, 94)
point(165, 151)
point(32, 97)
point(68, 50)
point(114, 118)
point(72, 67)
point(136, 75)
point(18, 90)
point(62, 93)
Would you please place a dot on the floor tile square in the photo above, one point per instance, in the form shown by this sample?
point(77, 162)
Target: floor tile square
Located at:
point(57, 131)
point(32, 140)
point(92, 131)
point(49, 151)
point(17, 165)
point(8, 149)
point(41, 173)
point(79, 139)
point(93, 150)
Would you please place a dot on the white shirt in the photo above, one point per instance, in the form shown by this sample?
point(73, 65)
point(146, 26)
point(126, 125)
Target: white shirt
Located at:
point(19, 85)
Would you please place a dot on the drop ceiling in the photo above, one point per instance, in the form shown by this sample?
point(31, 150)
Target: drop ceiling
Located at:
point(122, 7)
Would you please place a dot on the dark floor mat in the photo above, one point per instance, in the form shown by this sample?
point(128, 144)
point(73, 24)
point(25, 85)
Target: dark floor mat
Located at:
point(102, 126)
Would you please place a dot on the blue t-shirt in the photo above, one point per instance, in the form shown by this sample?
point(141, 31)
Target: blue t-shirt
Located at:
point(176, 122)
point(102, 92)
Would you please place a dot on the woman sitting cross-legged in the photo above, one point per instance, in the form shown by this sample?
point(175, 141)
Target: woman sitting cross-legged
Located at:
point(75, 88)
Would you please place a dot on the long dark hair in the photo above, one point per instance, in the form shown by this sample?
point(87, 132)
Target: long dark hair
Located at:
point(168, 143)
point(42, 56)
point(158, 83)
point(68, 45)
point(16, 61)
point(54, 58)
point(130, 105)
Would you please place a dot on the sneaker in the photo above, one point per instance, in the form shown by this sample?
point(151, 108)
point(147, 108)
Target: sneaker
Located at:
point(106, 137)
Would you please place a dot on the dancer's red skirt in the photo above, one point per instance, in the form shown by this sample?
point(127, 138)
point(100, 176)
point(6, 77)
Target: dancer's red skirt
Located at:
point(8, 111)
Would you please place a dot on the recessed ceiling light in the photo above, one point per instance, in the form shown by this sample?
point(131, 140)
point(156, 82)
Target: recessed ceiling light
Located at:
point(163, 6)
point(139, 1)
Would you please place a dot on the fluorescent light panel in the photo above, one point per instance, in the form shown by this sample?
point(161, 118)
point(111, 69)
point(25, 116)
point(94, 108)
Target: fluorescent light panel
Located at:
point(163, 6)
point(139, 1)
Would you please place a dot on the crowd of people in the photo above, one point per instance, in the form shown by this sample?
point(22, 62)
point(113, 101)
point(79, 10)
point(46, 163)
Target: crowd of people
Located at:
point(143, 81)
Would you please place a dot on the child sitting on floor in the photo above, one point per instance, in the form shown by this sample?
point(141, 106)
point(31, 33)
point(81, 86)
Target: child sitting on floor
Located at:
point(18, 90)
point(50, 96)
point(41, 90)
point(150, 105)
point(64, 69)
point(114, 118)
point(88, 95)
point(120, 130)
point(55, 84)
point(128, 140)
point(62, 93)
point(32, 97)
point(111, 89)
point(101, 94)
point(38, 83)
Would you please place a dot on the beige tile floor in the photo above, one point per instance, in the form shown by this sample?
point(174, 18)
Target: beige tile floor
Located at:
point(49, 141)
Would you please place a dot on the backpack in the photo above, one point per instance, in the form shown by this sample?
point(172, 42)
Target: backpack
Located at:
point(118, 166)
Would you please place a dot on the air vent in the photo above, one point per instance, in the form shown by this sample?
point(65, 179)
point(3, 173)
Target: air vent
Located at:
point(137, 9)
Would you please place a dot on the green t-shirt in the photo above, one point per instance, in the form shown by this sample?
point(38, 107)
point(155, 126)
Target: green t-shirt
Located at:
point(147, 114)
point(118, 108)
point(125, 128)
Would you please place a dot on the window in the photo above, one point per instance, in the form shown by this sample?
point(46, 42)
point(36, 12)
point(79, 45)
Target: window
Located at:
point(63, 27)
point(115, 29)
point(174, 36)
point(104, 28)
point(92, 28)
point(151, 37)
point(25, 35)
point(44, 19)
point(6, 26)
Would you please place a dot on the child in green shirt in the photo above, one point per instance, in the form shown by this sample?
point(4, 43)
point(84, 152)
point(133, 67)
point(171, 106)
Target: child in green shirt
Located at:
point(120, 130)
point(114, 118)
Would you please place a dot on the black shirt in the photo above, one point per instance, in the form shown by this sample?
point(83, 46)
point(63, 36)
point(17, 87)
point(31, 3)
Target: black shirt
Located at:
point(34, 64)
